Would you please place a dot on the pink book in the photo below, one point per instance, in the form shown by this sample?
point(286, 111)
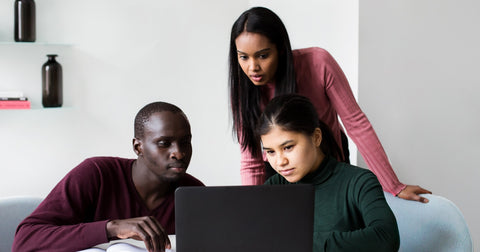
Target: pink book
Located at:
point(15, 104)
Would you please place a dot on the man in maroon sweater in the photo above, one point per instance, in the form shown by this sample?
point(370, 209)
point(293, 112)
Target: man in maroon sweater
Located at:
point(108, 198)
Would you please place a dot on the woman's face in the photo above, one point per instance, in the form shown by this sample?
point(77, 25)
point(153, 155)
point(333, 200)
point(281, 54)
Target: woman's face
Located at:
point(257, 57)
point(293, 155)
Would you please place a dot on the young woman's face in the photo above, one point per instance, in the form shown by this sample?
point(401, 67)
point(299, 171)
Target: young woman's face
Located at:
point(293, 155)
point(257, 57)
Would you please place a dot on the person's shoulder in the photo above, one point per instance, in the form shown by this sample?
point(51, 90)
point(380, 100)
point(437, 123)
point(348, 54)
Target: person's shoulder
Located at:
point(313, 56)
point(103, 164)
point(311, 52)
point(189, 180)
point(355, 173)
point(107, 160)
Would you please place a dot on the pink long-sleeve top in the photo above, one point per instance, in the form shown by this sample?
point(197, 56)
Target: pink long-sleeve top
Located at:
point(320, 78)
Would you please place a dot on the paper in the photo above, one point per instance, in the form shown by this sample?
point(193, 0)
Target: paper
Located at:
point(126, 245)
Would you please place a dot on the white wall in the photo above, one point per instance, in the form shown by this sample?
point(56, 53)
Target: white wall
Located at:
point(119, 55)
point(419, 85)
point(124, 54)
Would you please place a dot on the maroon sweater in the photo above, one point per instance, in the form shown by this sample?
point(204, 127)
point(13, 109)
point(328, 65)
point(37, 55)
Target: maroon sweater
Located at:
point(74, 215)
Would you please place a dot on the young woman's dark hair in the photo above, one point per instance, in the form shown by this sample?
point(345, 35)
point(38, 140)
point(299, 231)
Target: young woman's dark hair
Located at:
point(244, 95)
point(293, 112)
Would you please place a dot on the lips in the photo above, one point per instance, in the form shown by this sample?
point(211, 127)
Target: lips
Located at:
point(178, 166)
point(178, 169)
point(287, 172)
point(256, 78)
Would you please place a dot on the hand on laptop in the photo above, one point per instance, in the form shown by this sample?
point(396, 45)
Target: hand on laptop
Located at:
point(145, 228)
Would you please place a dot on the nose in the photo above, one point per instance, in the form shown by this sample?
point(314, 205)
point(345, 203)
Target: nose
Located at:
point(176, 152)
point(253, 64)
point(281, 160)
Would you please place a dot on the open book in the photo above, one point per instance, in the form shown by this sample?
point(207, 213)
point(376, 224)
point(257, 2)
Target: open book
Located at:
point(126, 245)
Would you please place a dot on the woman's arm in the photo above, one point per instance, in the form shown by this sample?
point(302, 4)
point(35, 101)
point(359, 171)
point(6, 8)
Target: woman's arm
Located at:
point(362, 133)
point(357, 125)
point(252, 169)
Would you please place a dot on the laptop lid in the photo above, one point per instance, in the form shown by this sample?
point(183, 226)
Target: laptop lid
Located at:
point(244, 218)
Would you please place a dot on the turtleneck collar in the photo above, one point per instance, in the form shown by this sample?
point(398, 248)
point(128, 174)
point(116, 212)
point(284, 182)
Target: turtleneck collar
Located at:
point(320, 175)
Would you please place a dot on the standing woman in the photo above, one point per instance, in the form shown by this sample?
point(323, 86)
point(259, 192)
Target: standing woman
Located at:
point(263, 65)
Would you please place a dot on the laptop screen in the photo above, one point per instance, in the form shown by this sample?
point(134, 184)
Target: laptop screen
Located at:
point(244, 218)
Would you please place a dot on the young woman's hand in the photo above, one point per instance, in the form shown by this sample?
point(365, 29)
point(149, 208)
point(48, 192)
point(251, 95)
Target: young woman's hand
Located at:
point(411, 192)
point(147, 229)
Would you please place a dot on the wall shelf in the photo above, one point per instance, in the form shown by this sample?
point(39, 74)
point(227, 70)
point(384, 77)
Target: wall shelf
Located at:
point(20, 67)
point(13, 43)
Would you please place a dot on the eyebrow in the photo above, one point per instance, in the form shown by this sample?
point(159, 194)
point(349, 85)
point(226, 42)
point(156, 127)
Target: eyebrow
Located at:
point(257, 52)
point(170, 137)
point(282, 144)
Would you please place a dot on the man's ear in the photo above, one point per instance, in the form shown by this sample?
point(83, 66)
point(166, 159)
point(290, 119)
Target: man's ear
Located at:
point(317, 137)
point(137, 146)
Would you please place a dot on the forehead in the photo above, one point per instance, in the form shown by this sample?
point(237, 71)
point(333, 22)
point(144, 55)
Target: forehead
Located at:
point(278, 136)
point(252, 41)
point(167, 123)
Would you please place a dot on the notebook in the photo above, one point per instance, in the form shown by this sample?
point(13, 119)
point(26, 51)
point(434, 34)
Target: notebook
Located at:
point(244, 218)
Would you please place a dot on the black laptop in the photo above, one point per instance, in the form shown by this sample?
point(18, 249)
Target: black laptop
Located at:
point(262, 218)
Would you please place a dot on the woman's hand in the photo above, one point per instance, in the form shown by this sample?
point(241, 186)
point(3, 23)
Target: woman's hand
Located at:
point(145, 228)
point(411, 192)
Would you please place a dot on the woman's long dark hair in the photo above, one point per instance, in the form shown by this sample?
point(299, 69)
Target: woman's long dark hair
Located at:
point(296, 113)
point(245, 97)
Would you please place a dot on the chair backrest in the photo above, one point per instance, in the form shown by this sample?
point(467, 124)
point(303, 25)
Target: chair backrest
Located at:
point(435, 226)
point(12, 211)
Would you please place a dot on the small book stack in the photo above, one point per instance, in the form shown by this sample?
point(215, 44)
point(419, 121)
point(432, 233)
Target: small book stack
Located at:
point(13, 100)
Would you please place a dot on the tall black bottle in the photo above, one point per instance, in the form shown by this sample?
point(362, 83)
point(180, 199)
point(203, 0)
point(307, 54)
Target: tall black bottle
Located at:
point(52, 83)
point(25, 30)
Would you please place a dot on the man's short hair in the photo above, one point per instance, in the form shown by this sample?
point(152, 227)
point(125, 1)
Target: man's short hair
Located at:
point(144, 114)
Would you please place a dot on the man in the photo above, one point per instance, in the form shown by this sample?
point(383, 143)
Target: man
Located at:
point(108, 198)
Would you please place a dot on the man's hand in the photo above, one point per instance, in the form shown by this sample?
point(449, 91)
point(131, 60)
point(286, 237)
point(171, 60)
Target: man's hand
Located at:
point(411, 192)
point(147, 229)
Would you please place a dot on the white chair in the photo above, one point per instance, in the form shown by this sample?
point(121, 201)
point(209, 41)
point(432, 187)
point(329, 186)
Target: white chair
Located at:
point(12, 211)
point(435, 226)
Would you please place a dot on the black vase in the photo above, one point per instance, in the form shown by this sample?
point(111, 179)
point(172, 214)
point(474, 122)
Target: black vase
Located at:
point(25, 30)
point(52, 84)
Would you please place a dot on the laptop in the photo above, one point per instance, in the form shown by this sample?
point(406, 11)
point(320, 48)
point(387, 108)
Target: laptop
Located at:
point(244, 218)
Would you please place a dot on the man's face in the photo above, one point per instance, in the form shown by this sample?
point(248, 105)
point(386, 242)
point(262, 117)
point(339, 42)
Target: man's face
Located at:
point(166, 147)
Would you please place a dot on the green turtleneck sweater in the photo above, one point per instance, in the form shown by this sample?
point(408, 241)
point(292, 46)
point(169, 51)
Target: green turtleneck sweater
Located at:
point(351, 213)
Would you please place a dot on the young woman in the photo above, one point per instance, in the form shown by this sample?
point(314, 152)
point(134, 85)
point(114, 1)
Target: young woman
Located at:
point(351, 213)
point(263, 65)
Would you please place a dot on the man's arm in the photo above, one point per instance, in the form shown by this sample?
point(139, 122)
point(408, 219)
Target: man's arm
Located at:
point(64, 220)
